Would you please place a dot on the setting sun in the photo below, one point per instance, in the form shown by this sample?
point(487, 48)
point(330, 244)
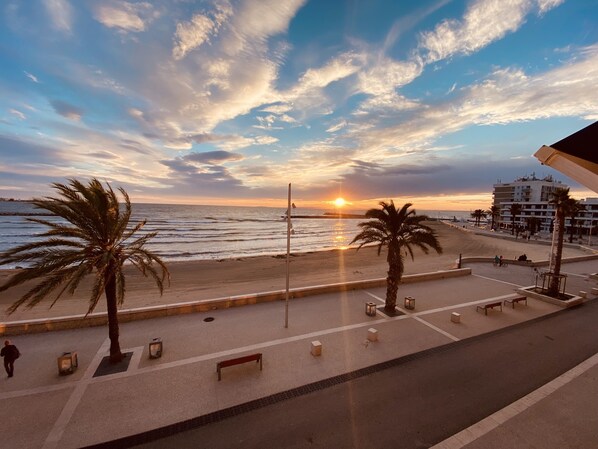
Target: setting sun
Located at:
point(339, 202)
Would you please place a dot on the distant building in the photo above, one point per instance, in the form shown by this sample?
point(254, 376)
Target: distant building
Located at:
point(534, 194)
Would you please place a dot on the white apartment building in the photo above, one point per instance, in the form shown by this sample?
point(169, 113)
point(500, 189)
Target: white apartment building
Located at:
point(533, 195)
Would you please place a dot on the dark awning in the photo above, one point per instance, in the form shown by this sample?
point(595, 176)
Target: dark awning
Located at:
point(575, 156)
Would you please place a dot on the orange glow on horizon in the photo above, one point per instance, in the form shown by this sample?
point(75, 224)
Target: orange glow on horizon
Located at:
point(458, 202)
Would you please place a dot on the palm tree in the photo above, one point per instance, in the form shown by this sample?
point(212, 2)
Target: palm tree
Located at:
point(93, 235)
point(400, 230)
point(573, 209)
point(514, 210)
point(494, 212)
point(560, 200)
point(478, 214)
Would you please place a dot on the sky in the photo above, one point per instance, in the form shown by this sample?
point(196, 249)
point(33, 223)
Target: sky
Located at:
point(227, 102)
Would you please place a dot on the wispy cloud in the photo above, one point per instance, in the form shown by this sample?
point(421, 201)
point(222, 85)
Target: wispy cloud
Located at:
point(60, 13)
point(31, 77)
point(19, 114)
point(337, 127)
point(124, 16)
point(484, 22)
point(506, 96)
point(190, 35)
point(67, 110)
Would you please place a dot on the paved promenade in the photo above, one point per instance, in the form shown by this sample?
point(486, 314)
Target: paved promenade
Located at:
point(40, 409)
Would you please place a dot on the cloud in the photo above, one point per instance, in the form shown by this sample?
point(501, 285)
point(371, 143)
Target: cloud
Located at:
point(485, 21)
point(67, 110)
point(337, 127)
point(221, 65)
point(238, 142)
point(18, 114)
point(225, 142)
point(384, 75)
point(510, 95)
point(255, 22)
point(124, 16)
point(203, 171)
point(268, 121)
point(61, 14)
point(547, 5)
point(16, 153)
point(31, 77)
point(336, 69)
point(103, 155)
point(450, 176)
point(213, 157)
point(277, 108)
point(308, 95)
point(191, 35)
point(507, 95)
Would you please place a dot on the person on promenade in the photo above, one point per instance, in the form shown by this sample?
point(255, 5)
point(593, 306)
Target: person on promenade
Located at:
point(496, 260)
point(500, 261)
point(10, 354)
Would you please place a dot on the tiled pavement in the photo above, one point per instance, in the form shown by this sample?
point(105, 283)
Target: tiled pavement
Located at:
point(45, 410)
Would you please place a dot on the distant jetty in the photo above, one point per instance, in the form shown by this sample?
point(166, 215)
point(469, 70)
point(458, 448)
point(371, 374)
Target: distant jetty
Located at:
point(328, 215)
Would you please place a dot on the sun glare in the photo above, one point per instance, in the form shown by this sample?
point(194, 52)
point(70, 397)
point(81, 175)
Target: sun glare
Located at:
point(339, 202)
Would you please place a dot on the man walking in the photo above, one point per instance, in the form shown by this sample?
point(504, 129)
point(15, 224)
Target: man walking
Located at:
point(10, 354)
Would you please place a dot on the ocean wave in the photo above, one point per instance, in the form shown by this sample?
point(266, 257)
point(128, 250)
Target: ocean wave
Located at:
point(207, 232)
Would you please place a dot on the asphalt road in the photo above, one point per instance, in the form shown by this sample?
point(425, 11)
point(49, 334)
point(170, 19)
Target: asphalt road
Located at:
point(417, 403)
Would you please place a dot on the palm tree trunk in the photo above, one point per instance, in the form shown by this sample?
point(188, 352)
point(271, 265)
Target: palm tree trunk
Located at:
point(553, 290)
point(394, 277)
point(110, 290)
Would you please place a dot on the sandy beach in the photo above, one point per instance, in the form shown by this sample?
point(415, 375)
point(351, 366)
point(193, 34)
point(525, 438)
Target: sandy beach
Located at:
point(191, 281)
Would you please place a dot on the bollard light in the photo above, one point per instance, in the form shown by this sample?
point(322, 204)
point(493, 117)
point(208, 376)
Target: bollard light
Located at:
point(67, 363)
point(155, 348)
point(370, 309)
point(409, 302)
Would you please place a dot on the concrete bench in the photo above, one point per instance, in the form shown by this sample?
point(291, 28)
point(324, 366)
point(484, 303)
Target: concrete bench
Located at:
point(514, 301)
point(490, 305)
point(248, 358)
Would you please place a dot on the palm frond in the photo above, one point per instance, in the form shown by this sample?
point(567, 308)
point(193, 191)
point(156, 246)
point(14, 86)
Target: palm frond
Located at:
point(93, 234)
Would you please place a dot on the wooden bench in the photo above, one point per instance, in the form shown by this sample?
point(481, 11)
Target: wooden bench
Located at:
point(513, 301)
point(247, 358)
point(490, 305)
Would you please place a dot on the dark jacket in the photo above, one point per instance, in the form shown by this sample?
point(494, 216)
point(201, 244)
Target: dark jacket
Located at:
point(10, 353)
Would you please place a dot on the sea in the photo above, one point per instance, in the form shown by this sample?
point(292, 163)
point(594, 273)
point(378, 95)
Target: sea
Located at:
point(186, 233)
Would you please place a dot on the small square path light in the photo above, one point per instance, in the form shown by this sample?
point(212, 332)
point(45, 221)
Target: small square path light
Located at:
point(409, 302)
point(67, 363)
point(370, 309)
point(316, 348)
point(155, 348)
point(372, 334)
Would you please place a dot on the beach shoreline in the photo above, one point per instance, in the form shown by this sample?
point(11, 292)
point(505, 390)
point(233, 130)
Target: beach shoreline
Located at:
point(209, 279)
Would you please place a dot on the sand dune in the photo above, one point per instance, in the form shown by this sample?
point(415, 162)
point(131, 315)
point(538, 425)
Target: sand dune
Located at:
point(197, 280)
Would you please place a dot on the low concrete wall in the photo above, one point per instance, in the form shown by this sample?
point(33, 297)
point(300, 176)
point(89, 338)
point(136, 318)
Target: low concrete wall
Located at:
point(527, 263)
point(100, 319)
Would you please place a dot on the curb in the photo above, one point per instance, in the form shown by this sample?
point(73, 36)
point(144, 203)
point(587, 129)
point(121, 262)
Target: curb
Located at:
point(144, 313)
